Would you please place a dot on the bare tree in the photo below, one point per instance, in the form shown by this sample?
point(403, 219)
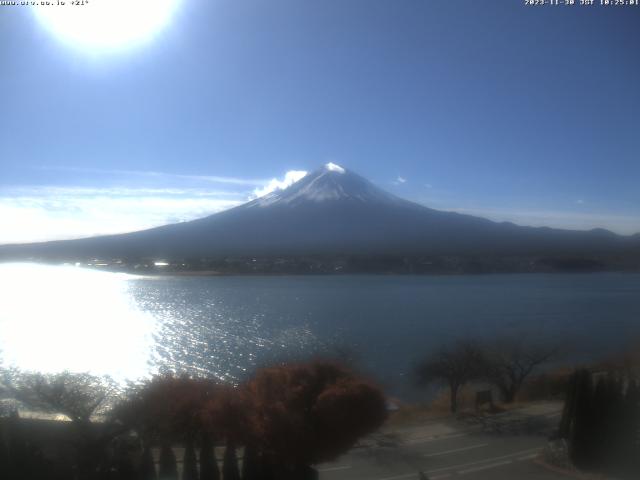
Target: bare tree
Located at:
point(78, 396)
point(7, 397)
point(454, 366)
point(509, 361)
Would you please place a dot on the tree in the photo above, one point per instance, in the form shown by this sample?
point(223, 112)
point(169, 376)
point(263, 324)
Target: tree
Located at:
point(600, 405)
point(311, 413)
point(168, 466)
point(79, 397)
point(208, 463)
point(5, 459)
point(250, 463)
point(225, 416)
point(170, 407)
point(454, 366)
point(190, 462)
point(147, 469)
point(577, 422)
point(125, 468)
point(508, 362)
point(615, 422)
point(631, 432)
point(602, 424)
point(21, 458)
point(230, 464)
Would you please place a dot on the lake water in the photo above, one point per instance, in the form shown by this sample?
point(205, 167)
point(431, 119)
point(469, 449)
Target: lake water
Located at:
point(56, 318)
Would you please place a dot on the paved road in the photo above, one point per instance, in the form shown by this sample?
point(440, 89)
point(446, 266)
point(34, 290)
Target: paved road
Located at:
point(503, 447)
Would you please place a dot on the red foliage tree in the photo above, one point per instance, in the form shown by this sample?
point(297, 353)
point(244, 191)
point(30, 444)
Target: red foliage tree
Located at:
point(169, 407)
point(307, 414)
point(225, 415)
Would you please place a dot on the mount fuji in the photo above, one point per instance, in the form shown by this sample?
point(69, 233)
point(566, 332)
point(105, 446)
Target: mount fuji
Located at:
point(331, 211)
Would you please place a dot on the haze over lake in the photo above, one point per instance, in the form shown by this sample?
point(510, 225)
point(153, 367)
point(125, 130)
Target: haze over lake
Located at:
point(56, 318)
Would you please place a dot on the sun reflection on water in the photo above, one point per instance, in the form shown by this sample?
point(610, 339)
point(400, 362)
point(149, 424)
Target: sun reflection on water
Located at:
point(67, 318)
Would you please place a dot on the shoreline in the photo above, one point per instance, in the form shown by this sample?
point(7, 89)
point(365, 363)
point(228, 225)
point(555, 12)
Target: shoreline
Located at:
point(159, 272)
point(215, 273)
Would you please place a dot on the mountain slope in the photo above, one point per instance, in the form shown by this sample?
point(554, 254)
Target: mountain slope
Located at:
point(331, 211)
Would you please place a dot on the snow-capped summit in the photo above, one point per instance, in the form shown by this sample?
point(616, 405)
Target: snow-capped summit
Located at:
point(333, 167)
point(331, 183)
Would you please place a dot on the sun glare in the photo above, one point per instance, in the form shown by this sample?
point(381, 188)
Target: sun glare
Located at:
point(106, 24)
point(67, 318)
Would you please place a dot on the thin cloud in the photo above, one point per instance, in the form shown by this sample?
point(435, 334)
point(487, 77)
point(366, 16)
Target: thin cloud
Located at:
point(47, 190)
point(55, 213)
point(399, 180)
point(35, 213)
point(274, 184)
point(165, 175)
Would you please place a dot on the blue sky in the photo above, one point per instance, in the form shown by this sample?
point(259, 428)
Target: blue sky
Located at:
point(528, 114)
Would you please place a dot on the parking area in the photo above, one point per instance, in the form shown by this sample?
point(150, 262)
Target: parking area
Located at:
point(503, 446)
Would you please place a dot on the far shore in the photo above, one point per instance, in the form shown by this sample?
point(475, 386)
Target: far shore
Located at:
point(177, 272)
point(258, 273)
point(353, 264)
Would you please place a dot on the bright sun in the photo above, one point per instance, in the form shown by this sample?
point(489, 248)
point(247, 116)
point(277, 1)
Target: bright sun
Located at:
point(106, 24)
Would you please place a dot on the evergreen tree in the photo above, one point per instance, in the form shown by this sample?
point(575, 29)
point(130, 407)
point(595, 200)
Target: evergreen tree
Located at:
point(147, 469)
point(305, 472)
point(208, 463)
point(600, 418)
point(581, 438)
point(615, 419)
point(250, 464)
point(4, 452)
point(631, 433)
point(126, 471)
point(267, 468)
point(168, 464)
point(569, 409)
point(190, 463)
point(230, 465)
